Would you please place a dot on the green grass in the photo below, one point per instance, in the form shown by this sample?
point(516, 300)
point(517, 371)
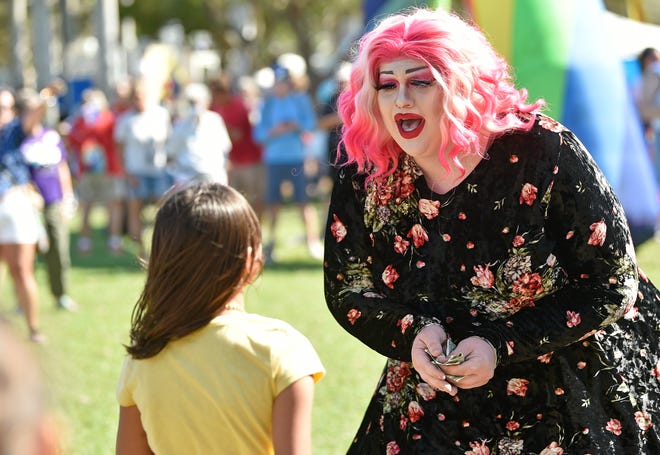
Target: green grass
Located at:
point(84, 354)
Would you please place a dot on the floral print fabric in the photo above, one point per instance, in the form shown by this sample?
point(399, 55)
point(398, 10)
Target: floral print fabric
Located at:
point(531, 252)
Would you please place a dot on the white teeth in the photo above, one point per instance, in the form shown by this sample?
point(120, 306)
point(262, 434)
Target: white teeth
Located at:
point(410, 125)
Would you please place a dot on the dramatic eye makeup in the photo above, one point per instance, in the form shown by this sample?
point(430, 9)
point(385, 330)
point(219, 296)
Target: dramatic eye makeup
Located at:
point(423, 78)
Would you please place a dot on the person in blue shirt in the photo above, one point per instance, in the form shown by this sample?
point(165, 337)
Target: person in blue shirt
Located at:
point(286, 117)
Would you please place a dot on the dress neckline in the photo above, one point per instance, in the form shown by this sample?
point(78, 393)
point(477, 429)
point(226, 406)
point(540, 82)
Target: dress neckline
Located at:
point(426, 190)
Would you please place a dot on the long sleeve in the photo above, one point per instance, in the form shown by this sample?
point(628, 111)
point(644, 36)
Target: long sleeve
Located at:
point(353, 294)
point(593, 250)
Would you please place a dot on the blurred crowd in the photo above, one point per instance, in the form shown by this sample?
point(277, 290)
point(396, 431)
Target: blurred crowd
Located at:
point(272, 140)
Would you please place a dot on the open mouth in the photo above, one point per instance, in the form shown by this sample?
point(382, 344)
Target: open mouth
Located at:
point(410, 125)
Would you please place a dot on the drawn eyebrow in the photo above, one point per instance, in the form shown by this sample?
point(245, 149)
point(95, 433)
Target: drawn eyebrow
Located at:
point(408, 71)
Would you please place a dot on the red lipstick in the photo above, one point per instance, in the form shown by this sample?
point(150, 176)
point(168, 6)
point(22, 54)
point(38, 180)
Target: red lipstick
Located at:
point(410, 125)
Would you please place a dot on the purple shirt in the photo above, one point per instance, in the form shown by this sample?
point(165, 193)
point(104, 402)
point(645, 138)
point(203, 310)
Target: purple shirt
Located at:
point(43, 153)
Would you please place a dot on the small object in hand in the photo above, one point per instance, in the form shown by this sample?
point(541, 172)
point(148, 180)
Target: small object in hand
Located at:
point(455, 359)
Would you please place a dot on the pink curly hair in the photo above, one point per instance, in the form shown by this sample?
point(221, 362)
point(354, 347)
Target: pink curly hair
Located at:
point(482, 102)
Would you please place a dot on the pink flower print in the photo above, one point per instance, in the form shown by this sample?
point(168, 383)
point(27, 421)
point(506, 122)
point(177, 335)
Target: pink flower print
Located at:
point(384, 193)
point(569, 235)
point(528, 194)
point(516, 304)
point(405, 322)
point(529, 285)
point(483, 277)
point(415, 411)
point(446, 237)
point(478, 448)
point(545, 358)
point(420, 264)
point(390, 275)
point(406, 187)
point(581, 365)
point(403, 422)
point(338, 229)
point(656, 371)
point(469, 245)
point(430, 209)
point(392, 448)
point(643, 420)
point(425, 391)
point(518, 240)
point(513, 159)
point(552, 449)
point(573, 318)
point(353, 315)
point(396, 376)
point(599, 231)
point(517, 386)
point(509, 347)
point(441, 417)
point(512, 425)
point(400, 244)
point(462, 216)
point(506, 230)
point(418, 234)
point(559, 391)
point(614, 426)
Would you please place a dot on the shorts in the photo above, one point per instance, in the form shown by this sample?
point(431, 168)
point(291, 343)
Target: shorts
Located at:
point(19, 220)
point(100, 188)
point(279, 173)
point(250, 180)
point(149, 187)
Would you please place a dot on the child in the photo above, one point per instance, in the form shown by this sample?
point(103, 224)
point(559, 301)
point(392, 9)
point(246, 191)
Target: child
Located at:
point(202, 375)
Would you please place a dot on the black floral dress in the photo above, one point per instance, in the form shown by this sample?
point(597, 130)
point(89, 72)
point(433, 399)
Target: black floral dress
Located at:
point(531, 252)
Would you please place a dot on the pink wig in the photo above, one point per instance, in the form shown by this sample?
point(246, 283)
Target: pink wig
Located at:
point(479, 102)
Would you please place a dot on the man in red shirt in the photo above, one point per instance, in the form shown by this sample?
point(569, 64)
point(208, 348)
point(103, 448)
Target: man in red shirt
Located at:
point(246, 171)
point(99, 167)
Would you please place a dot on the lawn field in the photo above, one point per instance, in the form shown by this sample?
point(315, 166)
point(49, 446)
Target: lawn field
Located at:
point(84, 352)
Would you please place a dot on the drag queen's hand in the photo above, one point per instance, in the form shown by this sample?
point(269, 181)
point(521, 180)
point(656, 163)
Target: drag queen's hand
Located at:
point(429, 344)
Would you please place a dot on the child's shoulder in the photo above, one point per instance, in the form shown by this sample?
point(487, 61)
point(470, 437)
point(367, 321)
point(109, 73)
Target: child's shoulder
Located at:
point(254, 324)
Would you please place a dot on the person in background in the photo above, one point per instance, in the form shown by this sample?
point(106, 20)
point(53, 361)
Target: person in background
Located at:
point(234, 381)
point(285, 115)
point(45, 154)
point(26, 424)
point(330, 121)
point(99, 171)
point(19, 221)
point(142, 134)
point(474, 242)
point(246, 170)
point(199, 143)
point(123, 97)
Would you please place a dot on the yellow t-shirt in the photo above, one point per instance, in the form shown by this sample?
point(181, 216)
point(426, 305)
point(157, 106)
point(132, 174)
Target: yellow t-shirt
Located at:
point(213, 390)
